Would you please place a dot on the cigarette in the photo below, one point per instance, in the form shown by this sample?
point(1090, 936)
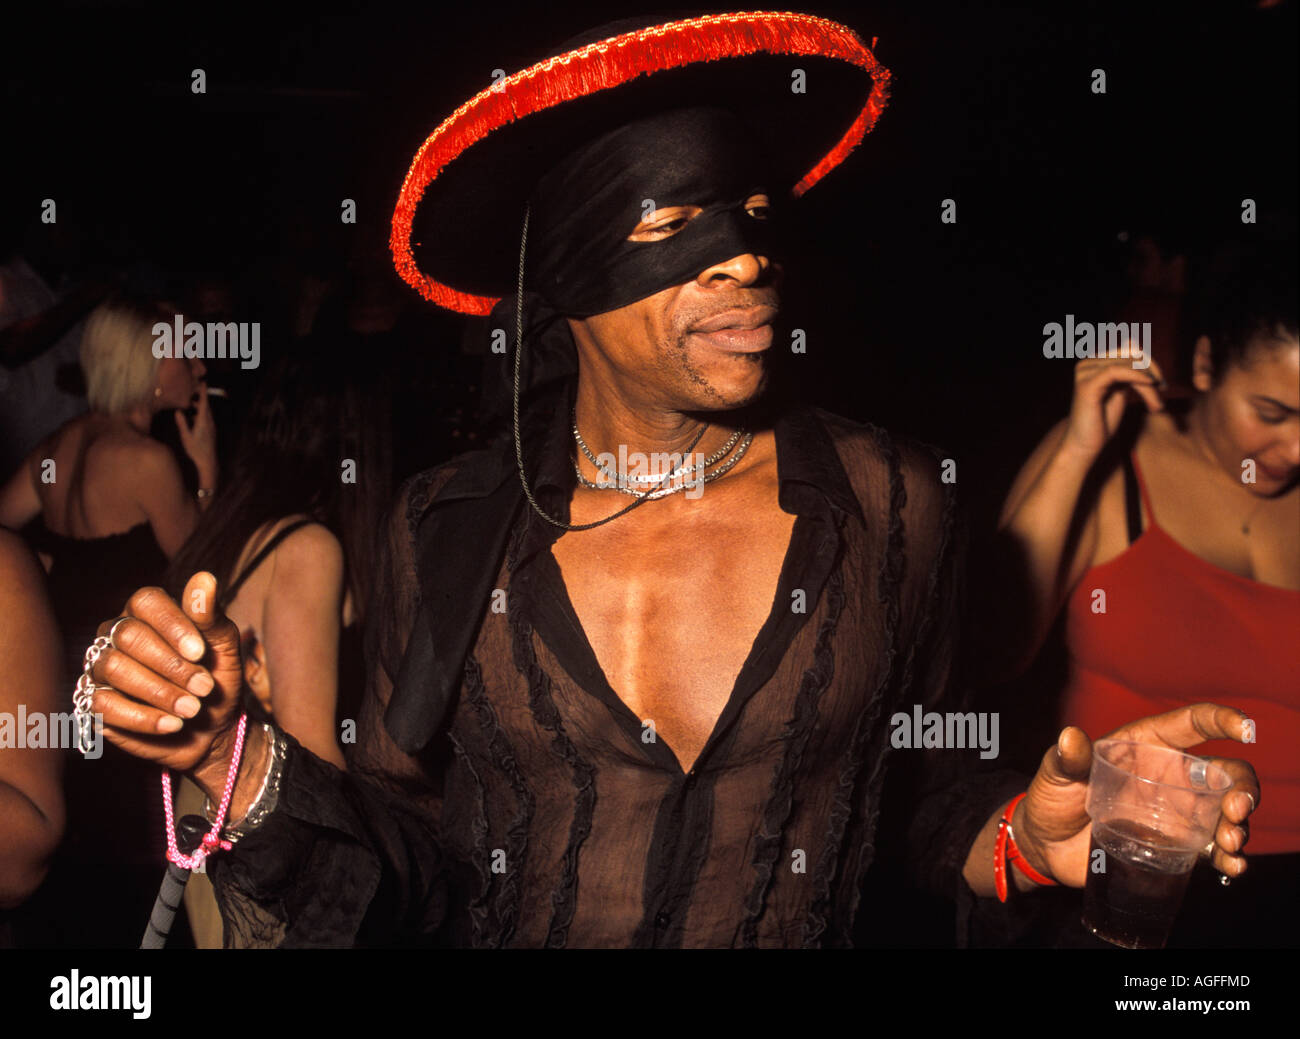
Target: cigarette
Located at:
point(217, 391)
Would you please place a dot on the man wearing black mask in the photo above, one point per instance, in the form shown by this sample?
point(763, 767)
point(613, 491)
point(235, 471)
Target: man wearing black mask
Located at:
point(636, 665)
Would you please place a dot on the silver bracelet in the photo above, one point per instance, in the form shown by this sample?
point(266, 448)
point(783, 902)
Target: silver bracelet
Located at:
point(267, 795)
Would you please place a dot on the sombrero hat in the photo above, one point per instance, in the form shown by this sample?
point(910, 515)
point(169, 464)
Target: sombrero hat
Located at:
point(809, 87)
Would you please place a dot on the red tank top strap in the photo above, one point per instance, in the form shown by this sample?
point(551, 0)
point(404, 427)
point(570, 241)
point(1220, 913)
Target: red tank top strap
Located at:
point(1142, 489)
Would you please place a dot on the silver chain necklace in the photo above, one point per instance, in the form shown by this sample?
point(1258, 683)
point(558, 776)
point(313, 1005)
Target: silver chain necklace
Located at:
point(679, 472)
point(664, 491)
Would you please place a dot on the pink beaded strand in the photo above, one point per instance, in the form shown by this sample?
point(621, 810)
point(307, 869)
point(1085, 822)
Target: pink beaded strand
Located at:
point(211, 840)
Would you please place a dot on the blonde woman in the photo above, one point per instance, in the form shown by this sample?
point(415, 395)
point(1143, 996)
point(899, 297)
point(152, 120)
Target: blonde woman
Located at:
point(105, 505)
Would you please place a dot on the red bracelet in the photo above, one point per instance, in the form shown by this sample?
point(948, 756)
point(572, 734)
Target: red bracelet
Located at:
point(1005, 848)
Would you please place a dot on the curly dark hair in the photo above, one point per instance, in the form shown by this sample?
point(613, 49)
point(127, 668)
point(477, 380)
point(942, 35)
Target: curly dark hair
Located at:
point(1251, 305)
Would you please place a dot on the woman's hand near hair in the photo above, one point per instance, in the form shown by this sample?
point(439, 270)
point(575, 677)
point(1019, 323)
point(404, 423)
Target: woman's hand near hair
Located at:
point(1040, 511)
point(1099, 402)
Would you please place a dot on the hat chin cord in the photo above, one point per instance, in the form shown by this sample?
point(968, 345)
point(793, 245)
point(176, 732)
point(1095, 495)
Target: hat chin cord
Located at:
point(519, 444)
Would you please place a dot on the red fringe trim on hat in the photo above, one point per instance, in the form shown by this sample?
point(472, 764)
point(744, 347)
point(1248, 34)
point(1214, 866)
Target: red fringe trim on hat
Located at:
point(609, 63)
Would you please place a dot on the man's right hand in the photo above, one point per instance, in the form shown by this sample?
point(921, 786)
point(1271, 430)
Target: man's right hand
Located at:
point(176, 674)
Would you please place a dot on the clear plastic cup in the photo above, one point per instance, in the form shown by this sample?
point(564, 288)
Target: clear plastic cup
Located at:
point(1153, 812)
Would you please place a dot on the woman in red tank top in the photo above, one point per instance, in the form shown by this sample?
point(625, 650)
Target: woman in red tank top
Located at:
point(1173, 542)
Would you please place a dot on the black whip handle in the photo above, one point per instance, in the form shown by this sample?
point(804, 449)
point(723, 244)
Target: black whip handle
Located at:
point(189, 834)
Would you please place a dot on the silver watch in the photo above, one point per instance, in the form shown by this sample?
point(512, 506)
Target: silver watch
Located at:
point(267, 795)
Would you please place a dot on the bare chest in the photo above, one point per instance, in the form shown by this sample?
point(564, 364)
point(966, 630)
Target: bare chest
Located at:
point(671, 610)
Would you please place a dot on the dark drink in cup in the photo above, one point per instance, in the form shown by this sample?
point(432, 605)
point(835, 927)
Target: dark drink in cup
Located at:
point(1133, 893)
point(1153, 810)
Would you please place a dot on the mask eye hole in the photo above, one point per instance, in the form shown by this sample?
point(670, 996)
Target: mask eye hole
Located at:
point(663, 223)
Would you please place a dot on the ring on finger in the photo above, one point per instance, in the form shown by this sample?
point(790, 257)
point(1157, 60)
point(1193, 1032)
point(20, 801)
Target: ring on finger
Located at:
point(112, 632)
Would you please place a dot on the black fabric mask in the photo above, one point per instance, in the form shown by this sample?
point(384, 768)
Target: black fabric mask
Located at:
point(578, 255)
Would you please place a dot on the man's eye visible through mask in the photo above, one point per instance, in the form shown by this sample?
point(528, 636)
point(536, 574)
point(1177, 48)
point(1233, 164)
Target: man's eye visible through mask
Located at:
point(663, 224)
point(672, 227)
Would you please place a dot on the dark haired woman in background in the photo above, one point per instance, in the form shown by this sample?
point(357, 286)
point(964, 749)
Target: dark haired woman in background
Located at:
point(1172, 539)
point(290, 539)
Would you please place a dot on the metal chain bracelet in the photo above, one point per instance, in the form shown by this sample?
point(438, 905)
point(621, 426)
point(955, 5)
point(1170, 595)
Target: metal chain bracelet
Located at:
point(84, 695)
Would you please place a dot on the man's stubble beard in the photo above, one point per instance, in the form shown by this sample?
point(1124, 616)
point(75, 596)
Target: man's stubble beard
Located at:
point(678, 363)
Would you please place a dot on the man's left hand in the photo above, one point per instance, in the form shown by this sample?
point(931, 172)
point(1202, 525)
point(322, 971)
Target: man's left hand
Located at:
point(1052, 827)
